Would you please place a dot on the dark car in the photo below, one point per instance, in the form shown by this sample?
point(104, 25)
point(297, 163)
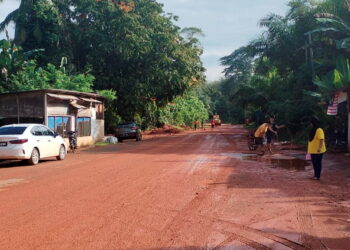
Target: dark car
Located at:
point(128, 130)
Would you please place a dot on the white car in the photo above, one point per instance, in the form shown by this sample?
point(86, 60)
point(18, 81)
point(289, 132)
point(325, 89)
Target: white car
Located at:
point(30, 142)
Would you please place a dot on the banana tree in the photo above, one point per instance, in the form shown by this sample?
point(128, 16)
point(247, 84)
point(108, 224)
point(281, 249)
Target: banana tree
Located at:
point(332, 23)
point(333, 80)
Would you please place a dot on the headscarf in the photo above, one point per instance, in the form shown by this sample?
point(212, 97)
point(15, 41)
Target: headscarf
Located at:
point(315, 125)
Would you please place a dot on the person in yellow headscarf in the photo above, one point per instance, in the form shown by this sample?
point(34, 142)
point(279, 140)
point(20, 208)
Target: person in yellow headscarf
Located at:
point(316, 147)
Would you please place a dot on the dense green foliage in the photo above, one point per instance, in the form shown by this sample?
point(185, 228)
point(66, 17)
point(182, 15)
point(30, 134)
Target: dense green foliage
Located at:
point(130, 47)
point(21, 73)
point(290, 70)
point(33, 77)
point(183, 111)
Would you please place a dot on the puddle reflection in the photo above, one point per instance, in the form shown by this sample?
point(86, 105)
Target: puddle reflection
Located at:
point(293, 164)
point(289, 163)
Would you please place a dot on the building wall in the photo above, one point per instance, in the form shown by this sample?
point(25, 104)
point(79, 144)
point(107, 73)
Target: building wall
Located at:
point(99, 130)
point(97, 126)
point(85, 141)
point(81, 142)
point(58, 108)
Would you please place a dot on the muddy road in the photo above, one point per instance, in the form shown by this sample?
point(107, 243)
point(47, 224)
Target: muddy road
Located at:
point(191, 191)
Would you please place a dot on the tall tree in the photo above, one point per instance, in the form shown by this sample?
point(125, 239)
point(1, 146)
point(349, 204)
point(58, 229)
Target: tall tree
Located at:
point(132, 47)
point(271, 72)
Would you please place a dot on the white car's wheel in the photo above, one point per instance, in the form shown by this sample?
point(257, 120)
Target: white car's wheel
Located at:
point(34, 157)
point(62, 153)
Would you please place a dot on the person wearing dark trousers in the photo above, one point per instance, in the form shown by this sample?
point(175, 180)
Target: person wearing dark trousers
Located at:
point(316, 160)
point(195, 124)
point(316, 147)
point(272, 132)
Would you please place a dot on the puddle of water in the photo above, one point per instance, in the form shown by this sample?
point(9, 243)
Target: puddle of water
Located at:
point(290, 164)
point(293, 164)
point(239, 155)
point(285, 162)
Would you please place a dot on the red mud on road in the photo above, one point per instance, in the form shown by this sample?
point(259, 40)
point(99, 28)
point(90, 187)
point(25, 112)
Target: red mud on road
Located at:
point(189, 191)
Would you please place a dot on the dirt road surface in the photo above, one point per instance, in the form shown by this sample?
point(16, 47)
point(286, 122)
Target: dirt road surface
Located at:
point(191, 191)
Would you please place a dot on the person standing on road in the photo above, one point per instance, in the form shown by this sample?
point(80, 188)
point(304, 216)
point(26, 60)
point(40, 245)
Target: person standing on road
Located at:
point(195, 124)
point(316, 147)
point(271, 132)
point(212, 123)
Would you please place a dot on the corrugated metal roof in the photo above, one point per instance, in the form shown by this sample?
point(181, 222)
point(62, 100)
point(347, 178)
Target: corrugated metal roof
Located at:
point(57, 91)
point(90, 100)
point(63, 97)
point(78, 106)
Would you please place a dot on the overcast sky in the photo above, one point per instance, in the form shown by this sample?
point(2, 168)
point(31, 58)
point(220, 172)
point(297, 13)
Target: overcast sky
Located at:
point(227, 24)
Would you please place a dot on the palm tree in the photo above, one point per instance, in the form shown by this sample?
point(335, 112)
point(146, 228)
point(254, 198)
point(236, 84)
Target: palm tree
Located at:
point(332, 21)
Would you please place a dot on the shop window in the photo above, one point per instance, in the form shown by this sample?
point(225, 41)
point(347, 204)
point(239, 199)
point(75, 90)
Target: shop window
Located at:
point(59, 124)
point(84, 126)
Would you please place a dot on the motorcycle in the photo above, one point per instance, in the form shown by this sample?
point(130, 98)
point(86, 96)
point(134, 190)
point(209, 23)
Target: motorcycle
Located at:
point(337, 141)
point(252, 145)
point(72, 137)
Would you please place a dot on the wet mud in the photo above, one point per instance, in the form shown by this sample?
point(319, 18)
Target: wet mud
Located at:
point(290, 163)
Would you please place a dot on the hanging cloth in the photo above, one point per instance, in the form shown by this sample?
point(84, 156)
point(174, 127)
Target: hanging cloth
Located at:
point(333, 106)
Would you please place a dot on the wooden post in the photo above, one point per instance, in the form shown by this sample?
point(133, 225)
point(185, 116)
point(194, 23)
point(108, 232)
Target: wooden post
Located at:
point(17, 101)
point(45, 110)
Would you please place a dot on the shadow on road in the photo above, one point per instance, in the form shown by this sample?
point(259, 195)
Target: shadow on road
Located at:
point(20, 163)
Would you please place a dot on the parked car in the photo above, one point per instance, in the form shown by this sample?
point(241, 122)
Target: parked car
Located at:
point(30, 142)
point(128, 130)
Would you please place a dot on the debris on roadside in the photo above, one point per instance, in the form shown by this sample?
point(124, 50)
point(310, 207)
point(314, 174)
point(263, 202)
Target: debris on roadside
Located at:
point(110, 139)
point(166, 129)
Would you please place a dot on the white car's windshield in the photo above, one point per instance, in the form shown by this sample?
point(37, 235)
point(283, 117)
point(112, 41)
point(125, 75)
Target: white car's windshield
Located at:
point(12, 130)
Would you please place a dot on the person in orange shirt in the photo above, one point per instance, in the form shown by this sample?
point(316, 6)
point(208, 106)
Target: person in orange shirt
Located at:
point(316, 147)
point(259, 136)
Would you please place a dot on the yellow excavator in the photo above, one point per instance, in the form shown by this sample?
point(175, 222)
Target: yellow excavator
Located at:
point(217, 120)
